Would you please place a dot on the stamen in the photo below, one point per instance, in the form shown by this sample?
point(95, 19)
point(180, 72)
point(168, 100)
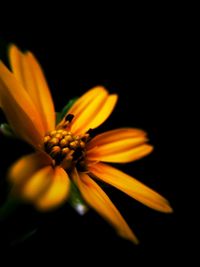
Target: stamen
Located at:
point(59, 136)
point(68, 138)
point(52, 133)
point(63, 143)
point(65, 151)
point(65, 148)
point(82, 144)
point(52, 142)
point(55, 151)
point(74, 144)
point(47, 139)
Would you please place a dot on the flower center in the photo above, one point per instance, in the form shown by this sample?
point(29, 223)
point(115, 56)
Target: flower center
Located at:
point(65, 148)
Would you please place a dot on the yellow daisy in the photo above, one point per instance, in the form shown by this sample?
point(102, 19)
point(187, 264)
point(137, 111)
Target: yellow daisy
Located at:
point(67, 152)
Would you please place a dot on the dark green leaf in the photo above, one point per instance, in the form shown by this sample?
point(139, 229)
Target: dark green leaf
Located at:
point(60, 115)
point(6, 130)
point(76, 200)
point(8, 207)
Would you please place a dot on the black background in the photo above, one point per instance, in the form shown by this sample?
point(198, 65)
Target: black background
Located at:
point(137, 58)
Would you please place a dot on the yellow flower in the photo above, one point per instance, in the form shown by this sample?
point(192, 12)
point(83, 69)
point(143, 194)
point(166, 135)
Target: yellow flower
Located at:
point(66, 152)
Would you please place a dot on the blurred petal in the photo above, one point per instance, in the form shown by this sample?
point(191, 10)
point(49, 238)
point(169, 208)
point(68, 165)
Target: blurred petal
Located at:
point(119, 155)
point(19, 108)
point(26, 166)
point(17, 64)
point(99, 201)
point(37, 183)
point(57, 192)
point(92, 109)
point(130, 186)
point(29, 73)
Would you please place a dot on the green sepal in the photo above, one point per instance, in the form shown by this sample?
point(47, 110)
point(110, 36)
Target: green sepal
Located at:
point(76, 200)
point(9, 207)
point(6, 130)
point(60, 115)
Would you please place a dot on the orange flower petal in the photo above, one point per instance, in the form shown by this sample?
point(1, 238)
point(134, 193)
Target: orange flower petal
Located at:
point(92, 109)
point(103, 112)
point(116, 135)
point(37, 184)
point(120, 145)
point(19, 109)
point(120, 152)
point(98, 200)
point(25, 167)
point(81, 104)
point(29, 73)
point(130, 186)
point(57, 192)
point(116, 142)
